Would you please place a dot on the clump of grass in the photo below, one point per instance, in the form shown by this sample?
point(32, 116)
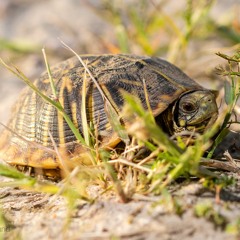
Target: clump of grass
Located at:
point(207, 211)
point(234, 228)
point(169, 160)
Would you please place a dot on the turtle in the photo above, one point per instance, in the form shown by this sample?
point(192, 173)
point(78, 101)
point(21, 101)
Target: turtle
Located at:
point(36, 127)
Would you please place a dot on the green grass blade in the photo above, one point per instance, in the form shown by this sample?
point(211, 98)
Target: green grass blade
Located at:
point(56, 104)
point(49, 74)
point(11, 172)
point(133, 108)
point(115, 122)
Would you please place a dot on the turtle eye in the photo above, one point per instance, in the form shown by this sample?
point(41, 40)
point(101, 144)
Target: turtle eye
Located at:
point(188, 107)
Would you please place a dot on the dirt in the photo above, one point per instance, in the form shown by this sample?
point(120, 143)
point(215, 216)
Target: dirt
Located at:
point(106, 218)
point(41, 216)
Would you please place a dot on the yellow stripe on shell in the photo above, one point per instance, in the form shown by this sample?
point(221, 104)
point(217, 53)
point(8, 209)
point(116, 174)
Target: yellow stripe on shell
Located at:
point(45, 125)
point(21, 115)
point(134, 83)
point(109, 97)
point(60, 116)
point(32, 111)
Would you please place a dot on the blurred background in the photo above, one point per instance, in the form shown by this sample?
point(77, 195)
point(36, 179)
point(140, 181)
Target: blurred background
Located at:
point(186, 32)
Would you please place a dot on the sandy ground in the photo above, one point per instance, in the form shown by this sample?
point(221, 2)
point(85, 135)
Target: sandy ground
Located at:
point(39, 216)
point(107, 218)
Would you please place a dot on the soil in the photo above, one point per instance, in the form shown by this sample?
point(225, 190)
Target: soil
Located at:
point(141, 218)
point(32, 215)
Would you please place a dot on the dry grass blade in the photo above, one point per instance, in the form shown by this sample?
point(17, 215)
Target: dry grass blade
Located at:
point(212, 163)
point(88, 71)
point(230, 159)
point(150, 157)
point(62, 162)
point(134, 165)
point(116, 183)
point(83, 111)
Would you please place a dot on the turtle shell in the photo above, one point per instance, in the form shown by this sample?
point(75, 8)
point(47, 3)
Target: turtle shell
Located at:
point(27, 141)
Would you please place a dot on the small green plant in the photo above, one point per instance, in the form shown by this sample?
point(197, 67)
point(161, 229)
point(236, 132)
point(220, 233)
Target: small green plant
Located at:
point(231, 95)
point(172, 204)
point(206, 210)
point(234, 227)
point(169, 160)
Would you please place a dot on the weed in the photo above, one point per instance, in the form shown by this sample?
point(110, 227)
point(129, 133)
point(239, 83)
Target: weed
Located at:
point(206, 210)
point(234, 227)
point(231, 96)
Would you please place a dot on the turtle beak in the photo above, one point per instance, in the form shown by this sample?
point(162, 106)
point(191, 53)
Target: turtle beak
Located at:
point(211, 121)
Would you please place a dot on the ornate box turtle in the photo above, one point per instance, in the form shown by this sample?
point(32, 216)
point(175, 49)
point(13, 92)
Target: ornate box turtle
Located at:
point(177, 102)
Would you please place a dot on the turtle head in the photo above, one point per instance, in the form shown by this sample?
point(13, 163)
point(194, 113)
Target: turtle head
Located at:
point(195, 111)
